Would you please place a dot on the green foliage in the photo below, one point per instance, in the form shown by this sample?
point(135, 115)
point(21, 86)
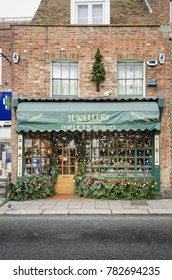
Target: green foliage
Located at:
point(98, 73)
point(33, 187)
point(115, 188)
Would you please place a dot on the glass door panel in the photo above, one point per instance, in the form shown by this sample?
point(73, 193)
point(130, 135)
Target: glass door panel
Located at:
point(67, 162)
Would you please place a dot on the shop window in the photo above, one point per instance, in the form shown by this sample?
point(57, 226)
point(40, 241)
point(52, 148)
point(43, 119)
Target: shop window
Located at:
point(38, 153)
point(5, 157)
point(65, 79)
point(119, 154)
point(130, 79)
point(106, 154)
point(90, 12)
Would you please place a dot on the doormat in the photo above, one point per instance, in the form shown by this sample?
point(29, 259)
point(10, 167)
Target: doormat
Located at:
point(139, 203)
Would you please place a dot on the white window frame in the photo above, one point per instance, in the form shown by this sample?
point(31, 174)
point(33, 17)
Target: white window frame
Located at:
point(170, 11)
point(61, 95)
point(144, 87)
point(0, 66)
point(74, 6)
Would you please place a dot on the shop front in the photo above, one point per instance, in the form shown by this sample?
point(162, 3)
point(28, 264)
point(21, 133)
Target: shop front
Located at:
point(108, 138)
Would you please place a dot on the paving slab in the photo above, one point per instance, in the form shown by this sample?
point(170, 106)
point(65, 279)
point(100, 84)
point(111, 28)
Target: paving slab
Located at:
point(130, 212)
point(76, 202)
point(47, 206)
point(155, 204)
point(2, 212)
point(37, 203)
point(89, 203)
point(160, 211)
point(25, 202)
point(60, 207)
point(12, 202)
point(2, 201)
point(166, 201)
point(115, 204)
point(75, 206)
point(29, 208)
point(50, 202)
point(24, 212)
point(18, 206)
point(64, 202)
point(126, 204)
point(1, 205)
point(55, 212)
point(91, 207)
point(90, 212)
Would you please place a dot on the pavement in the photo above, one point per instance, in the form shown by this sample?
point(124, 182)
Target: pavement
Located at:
point(83, 206)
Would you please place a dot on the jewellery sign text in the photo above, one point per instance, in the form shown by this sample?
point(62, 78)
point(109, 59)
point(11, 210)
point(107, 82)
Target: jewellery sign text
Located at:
point(88, 122)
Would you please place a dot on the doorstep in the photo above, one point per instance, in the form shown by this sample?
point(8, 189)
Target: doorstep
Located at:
point(66, 197)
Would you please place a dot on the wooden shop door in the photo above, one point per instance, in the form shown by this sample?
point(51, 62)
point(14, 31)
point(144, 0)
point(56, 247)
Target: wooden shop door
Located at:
point(67, 168)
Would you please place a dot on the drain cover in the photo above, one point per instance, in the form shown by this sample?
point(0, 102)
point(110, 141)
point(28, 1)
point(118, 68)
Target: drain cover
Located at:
point(139, 203)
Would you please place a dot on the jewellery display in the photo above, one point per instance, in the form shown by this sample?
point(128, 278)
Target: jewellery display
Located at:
point(113, 154)
point(120, 154)
point(37, 154)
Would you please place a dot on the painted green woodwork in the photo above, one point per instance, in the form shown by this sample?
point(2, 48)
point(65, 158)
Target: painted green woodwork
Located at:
point(87, 116)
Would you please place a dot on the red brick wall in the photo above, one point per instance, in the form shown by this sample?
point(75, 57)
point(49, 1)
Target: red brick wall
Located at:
point(37, 46)
point(5, 45)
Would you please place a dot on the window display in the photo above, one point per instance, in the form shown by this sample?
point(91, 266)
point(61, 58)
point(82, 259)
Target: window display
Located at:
point(110, 154)
point(37, 153)
point(119, 153)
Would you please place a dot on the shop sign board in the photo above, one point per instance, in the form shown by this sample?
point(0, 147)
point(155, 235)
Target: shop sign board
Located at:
point(5, 106)
point(87, 116)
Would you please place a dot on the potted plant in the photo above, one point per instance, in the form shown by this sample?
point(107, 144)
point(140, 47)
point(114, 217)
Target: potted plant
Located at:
point(98, 73)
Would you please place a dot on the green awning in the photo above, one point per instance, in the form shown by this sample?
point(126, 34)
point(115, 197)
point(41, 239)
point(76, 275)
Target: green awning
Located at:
point(73, 116)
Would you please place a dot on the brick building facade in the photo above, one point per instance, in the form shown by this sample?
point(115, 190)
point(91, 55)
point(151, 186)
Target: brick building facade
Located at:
point(5, 37)
point(137, 33)
point(5, 99)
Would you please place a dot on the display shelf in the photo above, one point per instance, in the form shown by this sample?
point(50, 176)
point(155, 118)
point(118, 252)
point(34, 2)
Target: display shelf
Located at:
point(37, 154)
point(129, 152)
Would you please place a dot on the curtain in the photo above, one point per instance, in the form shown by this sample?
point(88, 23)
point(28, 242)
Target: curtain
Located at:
point(97, 14)
point(82, 14)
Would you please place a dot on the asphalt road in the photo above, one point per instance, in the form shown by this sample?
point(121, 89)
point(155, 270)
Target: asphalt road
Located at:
point(90, 237)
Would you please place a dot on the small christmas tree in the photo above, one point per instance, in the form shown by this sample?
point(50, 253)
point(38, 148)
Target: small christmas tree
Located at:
point(98, 70)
